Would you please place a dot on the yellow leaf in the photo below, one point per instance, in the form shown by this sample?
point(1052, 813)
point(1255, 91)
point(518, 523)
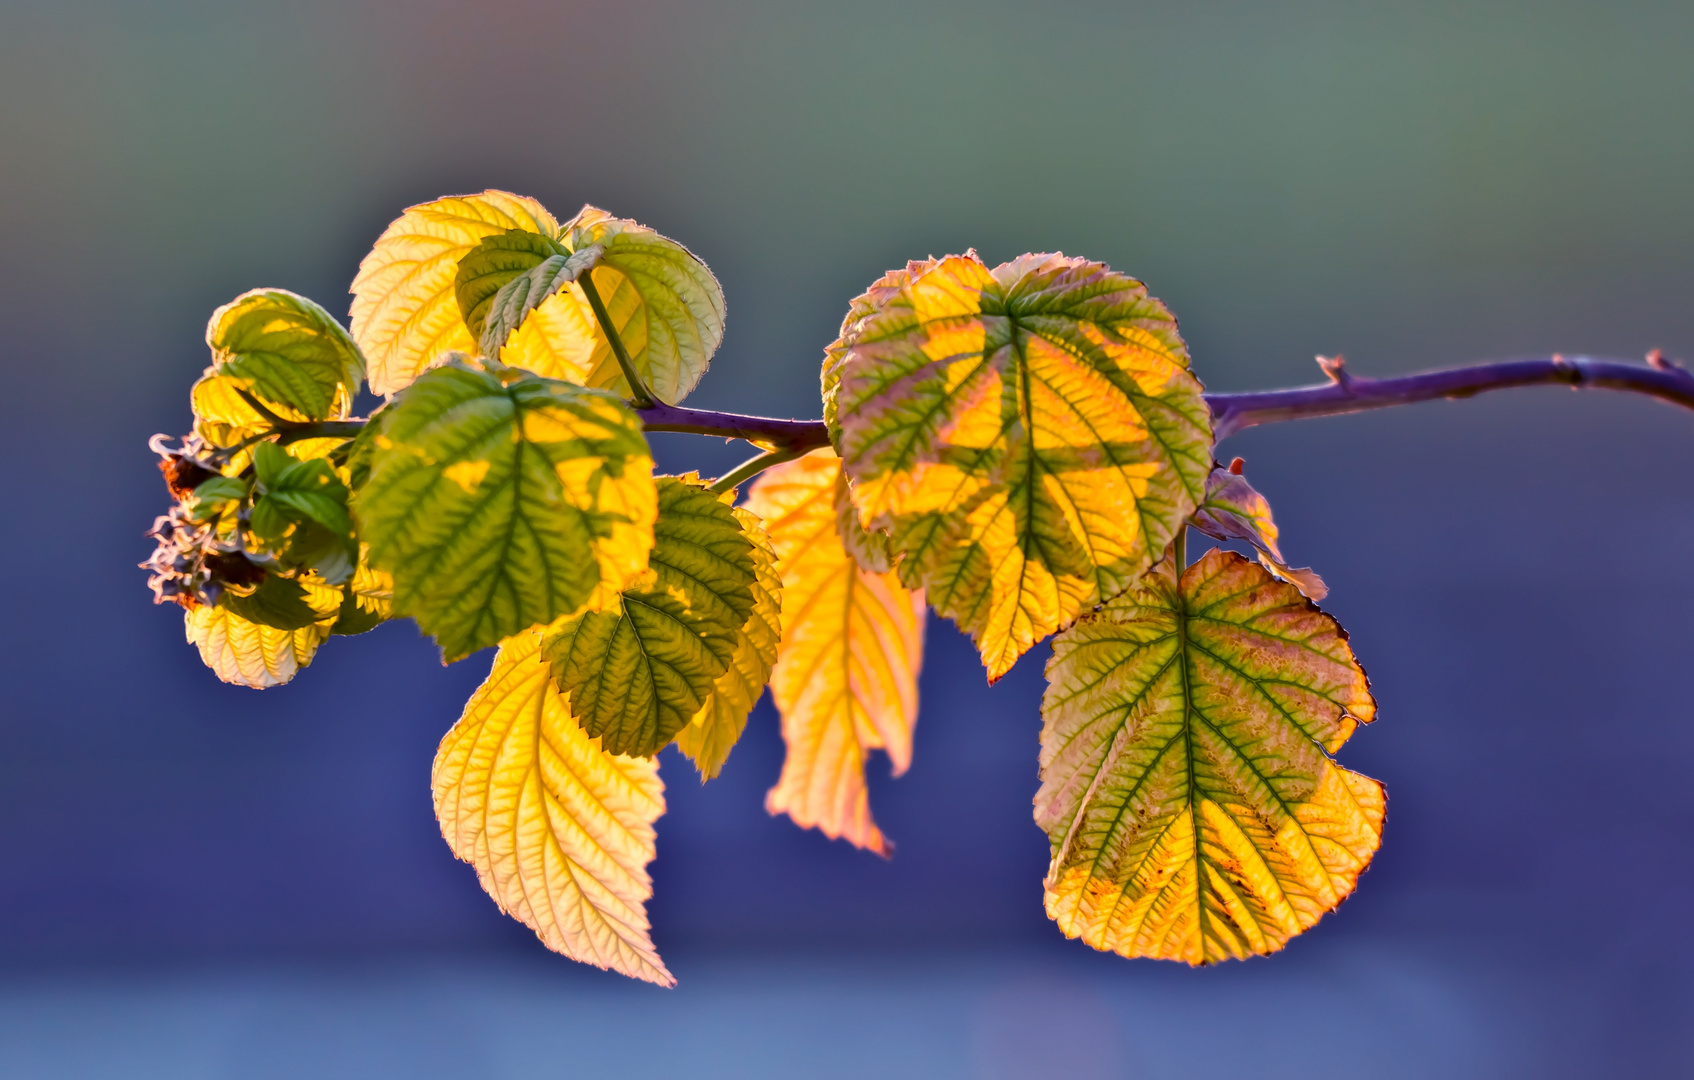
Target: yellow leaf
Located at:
point(249, 653)
point(1187, 786)
point(845, 679)
point(1029, 436)
point(405, 313)
point(716, 728)
point(560, 832)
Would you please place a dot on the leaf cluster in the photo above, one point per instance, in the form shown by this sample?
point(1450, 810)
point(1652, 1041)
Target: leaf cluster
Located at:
point(1021, 448)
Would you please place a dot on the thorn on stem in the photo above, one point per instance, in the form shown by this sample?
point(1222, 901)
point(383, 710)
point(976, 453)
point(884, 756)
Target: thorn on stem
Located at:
point(1658, 361)
point(1237, 465)
point(1336, 368)
point(1568, 371)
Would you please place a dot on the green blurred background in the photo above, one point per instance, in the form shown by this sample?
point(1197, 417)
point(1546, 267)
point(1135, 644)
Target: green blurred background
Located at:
point(205, 881)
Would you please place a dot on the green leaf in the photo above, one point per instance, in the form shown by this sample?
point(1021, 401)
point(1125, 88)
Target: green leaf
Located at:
point(277, 601)
point(302, 517)
point(282, 351)
point(405, 313)
point(367, 601)
point(1187, 786)
point(559, 830)
point(1030, 437)
point(1233, 510)
point(717, 727)
point(248, 653)
point(527, 291)
point(487, 268)
point(499, 506)
point(212, 496)
point(639, 668)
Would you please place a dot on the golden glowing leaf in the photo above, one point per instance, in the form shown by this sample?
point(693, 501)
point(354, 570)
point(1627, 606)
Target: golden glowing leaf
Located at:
point(639, 664)
point(281, 350)
point(405, 313)
point(1233, 510)
point(500, 500)
point(716, 728)
point(1030, 437)
point(846, 676)
point(1187, 786)
point(560, 832)
point(249, 653)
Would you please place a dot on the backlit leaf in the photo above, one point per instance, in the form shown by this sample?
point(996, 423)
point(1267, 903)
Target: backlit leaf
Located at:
point(498, 506)
point(716, 728)
point(248, 653)
point(846, 675)
point(869, 549)
point(1029, 436)
point(1233, 510)
point(405, 313)
point(302, 516)
point(281, 349)
point(666, 305)
point(1187, 786)
point(524, 294)
point(560, 831)
point(367, 600)
point(277, 601)
point(640, 665)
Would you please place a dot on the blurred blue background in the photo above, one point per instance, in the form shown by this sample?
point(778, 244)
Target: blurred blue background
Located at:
point(205, 881)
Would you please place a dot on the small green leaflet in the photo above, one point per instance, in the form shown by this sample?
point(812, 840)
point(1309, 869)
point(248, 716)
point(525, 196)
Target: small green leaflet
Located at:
point(638, 669)
point(500, 500)
point(1187, 786)
point(302, 517)
point(490, 266)
point(529, 290)
point(212, 496)
point(282, 351)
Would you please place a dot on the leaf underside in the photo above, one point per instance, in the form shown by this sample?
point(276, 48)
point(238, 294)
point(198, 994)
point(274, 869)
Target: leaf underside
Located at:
point(1029, 437)
point(560, 831)
point(248, 653)
point(639, 665)
point(1234, 510)
point(500, 507)
point(845, 680)
point(1187, 786)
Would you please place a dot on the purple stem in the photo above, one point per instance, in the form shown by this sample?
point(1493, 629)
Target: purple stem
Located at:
point(1344, 393)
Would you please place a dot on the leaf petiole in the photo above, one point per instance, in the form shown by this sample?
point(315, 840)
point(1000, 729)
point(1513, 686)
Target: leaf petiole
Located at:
point(639, 395)
point(753, 466)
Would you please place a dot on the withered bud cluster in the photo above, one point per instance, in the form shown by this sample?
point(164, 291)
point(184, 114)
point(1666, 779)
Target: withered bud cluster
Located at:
point(191, 565)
